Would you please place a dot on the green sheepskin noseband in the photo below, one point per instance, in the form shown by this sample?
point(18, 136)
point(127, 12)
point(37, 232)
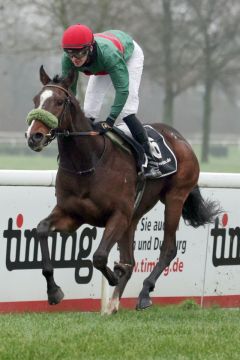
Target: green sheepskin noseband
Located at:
point(44, 116)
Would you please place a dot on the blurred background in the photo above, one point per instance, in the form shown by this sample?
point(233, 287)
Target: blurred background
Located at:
point(191, 78)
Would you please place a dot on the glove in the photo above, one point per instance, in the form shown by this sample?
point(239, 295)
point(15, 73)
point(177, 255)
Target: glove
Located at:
point(104, 126)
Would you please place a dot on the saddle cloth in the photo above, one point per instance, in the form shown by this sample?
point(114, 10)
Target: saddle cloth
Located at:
point(162, 153)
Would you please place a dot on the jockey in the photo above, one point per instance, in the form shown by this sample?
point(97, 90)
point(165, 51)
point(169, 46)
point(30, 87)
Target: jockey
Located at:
point(111, 58)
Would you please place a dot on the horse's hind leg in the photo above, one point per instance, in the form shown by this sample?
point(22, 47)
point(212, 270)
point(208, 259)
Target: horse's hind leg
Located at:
point(173, 211)
point(56, 221)
point(124, 268)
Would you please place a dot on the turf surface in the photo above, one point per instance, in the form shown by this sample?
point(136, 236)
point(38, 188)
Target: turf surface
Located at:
point(185, 332)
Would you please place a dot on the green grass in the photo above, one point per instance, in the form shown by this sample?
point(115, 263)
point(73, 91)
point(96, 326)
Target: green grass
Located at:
point(46, 160)
point(158, 333)
point(24, 162)
point(230, 163)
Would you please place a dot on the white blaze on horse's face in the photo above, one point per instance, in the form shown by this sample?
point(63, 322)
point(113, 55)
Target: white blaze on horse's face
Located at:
point(28, 133)
point(44, 96)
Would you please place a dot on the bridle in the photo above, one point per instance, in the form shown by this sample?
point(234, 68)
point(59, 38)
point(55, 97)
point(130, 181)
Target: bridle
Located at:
point(66, 133)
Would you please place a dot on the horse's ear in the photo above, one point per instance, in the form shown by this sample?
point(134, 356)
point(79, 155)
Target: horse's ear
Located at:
point(71, 77)
point(45, 79)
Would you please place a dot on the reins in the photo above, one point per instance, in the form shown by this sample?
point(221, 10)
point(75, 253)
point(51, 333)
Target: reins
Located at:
point(67, 133)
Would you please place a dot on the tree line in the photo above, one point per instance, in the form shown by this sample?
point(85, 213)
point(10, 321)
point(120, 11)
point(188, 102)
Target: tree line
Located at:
point(187, 43)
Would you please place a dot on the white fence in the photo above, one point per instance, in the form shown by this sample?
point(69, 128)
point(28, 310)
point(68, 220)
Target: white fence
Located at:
point(206, 268)
point(47, 178)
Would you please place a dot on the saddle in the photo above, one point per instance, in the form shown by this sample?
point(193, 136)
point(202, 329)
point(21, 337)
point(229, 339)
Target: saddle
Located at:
point(165, 157)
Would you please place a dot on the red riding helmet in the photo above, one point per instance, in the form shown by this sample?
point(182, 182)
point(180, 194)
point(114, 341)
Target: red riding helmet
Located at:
point(77, 36)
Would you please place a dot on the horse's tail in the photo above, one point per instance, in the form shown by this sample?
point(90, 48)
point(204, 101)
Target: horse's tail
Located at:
point(197, 211)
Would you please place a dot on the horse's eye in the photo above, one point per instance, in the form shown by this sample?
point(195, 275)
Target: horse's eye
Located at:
point(60, 102)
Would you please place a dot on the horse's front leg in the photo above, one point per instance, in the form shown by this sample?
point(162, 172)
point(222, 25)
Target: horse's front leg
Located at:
point(114, 230)
point(173, 211)
point(56, 221)
point(124, 268)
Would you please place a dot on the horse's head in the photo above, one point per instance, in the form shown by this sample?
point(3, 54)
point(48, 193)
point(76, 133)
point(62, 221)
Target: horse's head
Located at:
point(52, 104)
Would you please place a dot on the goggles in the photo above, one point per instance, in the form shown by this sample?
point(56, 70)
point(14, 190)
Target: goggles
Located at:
point(77, 53)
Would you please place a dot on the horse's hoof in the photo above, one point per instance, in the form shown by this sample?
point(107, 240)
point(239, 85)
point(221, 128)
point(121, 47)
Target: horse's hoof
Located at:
point(143, 303)
point(109, 311)
point(55, 296)
point(113, 306)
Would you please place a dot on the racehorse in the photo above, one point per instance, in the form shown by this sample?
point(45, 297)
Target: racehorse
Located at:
point(96, 184)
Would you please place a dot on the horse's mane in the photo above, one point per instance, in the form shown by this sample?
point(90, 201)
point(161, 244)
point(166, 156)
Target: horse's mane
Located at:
point(57, 79)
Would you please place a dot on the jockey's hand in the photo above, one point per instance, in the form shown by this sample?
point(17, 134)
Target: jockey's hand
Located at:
point(103, 126)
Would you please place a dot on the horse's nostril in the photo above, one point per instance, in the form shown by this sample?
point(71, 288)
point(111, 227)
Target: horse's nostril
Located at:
point(30, 142)
point(37, 136)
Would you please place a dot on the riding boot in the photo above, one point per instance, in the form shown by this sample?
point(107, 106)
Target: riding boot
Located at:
point(140, 135)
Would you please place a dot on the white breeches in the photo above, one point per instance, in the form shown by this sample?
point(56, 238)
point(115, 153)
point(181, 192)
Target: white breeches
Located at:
point(99, 85)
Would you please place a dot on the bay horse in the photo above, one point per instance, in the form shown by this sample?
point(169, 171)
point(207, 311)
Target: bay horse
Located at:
point(96, 184)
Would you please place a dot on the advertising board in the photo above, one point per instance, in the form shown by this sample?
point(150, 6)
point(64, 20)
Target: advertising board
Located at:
point(206, 268)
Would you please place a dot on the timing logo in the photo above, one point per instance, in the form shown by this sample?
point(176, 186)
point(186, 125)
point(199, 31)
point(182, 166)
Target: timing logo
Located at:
point(226, 243)
point(67, 250)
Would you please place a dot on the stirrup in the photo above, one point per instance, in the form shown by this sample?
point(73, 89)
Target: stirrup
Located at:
point(152, 171)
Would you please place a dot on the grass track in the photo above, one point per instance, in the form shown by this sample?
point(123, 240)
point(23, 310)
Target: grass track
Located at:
point(40, 161)
point(158, 333)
